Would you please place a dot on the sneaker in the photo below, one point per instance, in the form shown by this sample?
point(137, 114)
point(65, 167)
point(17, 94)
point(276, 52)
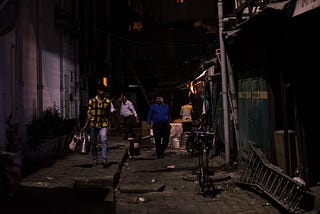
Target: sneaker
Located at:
point(94, 162)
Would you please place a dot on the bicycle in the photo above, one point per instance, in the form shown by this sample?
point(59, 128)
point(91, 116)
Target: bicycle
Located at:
point(202, 144)
point(191, 142)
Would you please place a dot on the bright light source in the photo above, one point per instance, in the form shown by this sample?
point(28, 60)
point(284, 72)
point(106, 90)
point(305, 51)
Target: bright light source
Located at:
point(133, 86)
point(137, 26)
point(105, 81)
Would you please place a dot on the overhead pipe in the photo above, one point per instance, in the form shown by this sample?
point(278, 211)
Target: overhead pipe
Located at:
point(133, 71)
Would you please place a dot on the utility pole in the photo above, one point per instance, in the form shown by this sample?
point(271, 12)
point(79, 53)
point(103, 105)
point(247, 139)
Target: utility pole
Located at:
point(224, 84)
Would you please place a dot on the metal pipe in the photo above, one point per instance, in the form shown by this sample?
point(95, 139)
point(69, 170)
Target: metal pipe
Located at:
point(39, 60)
point(224, 85)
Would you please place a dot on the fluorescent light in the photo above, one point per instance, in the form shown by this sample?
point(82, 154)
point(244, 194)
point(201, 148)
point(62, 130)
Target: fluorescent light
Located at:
point(133, 86)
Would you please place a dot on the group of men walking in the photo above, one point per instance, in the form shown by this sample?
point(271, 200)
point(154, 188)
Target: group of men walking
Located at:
point(158, 119)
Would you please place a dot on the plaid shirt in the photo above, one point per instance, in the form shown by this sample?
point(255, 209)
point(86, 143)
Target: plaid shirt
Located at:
point(98, 112)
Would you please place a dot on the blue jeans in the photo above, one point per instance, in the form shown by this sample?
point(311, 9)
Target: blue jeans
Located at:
point(94, 132)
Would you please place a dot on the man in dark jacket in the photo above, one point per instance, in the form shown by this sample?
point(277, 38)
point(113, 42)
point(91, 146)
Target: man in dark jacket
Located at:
point(159, 115)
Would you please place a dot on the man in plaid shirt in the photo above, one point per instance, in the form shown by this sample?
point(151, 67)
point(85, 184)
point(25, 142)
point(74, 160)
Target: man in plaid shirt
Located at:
point(99, 108)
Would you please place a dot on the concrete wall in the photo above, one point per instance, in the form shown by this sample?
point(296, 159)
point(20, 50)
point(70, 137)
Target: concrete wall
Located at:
point(38, 67)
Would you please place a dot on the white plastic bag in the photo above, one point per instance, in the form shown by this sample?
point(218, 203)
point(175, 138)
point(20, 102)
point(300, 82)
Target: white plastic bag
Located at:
point(73, 143)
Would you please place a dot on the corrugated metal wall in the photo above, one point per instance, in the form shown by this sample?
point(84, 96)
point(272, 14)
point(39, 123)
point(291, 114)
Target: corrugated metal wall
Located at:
point(253, 112)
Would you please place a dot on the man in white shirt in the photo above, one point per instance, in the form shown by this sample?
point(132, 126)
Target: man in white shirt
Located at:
point(130, 117)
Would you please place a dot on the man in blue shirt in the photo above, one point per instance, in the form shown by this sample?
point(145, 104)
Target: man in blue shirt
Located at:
point(159, 115)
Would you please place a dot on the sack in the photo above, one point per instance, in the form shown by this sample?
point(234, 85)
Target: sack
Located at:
point(73, 143)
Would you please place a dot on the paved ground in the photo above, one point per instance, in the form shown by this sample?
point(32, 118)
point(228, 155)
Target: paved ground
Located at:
point(169, 185)
point(141, 184)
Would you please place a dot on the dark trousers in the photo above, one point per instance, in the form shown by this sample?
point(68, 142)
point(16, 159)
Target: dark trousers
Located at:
point(186, 126)
point(161, 133)
point(128, 123)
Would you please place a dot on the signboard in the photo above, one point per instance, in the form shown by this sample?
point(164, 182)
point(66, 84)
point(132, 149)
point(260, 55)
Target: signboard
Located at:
point(303, 6)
